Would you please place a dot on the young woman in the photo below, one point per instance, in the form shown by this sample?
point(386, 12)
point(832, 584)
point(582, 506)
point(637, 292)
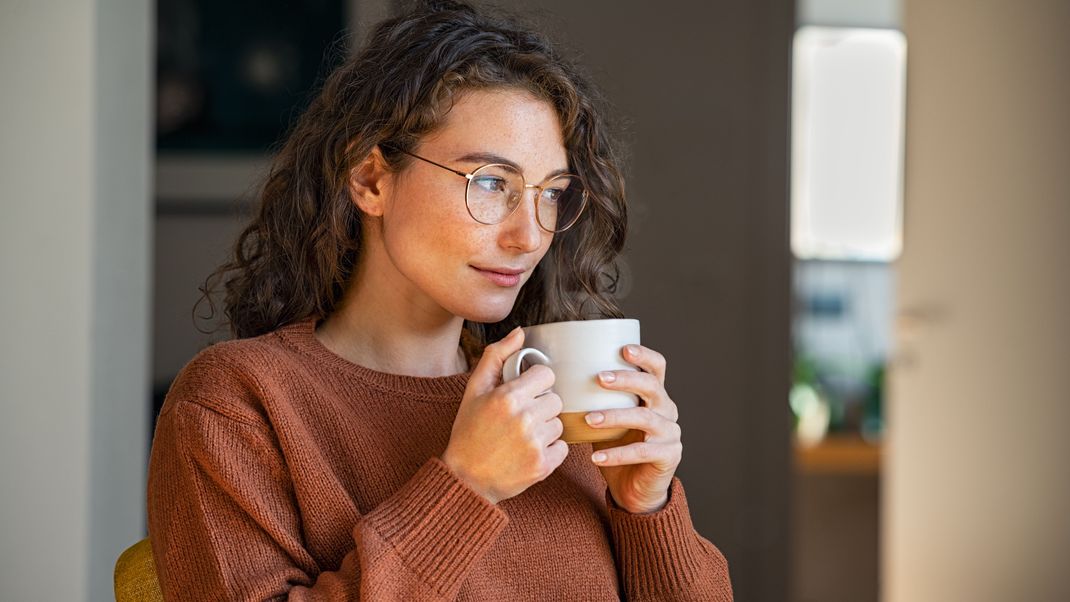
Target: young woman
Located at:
point(453, 181)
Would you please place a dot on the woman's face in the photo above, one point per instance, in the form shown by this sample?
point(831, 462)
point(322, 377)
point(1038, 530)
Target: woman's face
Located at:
point(429, 237)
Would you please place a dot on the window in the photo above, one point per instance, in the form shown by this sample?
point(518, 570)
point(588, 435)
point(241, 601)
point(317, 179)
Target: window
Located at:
point(847, 143)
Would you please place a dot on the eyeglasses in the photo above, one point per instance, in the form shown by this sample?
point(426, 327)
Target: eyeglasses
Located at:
point(494, 192)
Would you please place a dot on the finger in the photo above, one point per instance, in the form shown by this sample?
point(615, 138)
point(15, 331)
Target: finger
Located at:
point(657, 427)
point(550, 431)
point(547, 406)
point(532, 386)
point(488, 372)
point(645, 385)
point(647, 359)
point(641, 383)
point(556, 453)
point(661, 455)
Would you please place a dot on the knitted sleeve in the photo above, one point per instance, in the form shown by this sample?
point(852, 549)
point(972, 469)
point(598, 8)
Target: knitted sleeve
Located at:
point(223, 523)
point(661, 557)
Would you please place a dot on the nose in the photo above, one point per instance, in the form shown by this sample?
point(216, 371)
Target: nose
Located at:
point(521, 230)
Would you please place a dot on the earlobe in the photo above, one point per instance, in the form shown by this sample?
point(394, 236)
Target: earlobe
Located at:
point(366, 183)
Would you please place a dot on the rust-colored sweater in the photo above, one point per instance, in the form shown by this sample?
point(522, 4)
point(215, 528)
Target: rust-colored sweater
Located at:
point(280, 470)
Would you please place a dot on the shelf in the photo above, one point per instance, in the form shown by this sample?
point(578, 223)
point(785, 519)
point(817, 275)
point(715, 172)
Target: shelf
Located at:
point(839, 454)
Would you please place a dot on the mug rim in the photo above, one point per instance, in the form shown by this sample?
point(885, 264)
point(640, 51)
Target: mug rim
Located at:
point(599, 320)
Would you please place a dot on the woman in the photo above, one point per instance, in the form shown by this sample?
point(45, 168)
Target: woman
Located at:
point(453, 181)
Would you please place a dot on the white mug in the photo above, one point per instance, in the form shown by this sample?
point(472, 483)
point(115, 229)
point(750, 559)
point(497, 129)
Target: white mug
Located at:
point(577, 351)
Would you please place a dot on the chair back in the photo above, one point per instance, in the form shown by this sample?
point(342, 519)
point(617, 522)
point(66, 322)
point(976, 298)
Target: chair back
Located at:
point(135, 575)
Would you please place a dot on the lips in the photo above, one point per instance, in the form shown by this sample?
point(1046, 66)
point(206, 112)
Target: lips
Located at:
point(509, 271)
point(505, 277)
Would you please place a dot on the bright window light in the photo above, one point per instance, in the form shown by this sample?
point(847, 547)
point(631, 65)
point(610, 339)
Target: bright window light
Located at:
point(847, 143)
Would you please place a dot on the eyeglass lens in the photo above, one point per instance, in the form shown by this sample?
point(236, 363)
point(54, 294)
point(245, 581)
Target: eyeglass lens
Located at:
point(495, 190)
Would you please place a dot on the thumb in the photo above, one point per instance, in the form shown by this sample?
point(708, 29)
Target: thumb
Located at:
point(488, 372)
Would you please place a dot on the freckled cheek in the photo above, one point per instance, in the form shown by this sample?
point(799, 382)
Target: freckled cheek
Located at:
point(447, 244)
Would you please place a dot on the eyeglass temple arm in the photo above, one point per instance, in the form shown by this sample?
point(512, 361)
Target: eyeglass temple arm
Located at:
point(467, 176)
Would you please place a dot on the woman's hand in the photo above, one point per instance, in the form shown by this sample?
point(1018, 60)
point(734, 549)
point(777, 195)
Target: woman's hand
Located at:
point(506, 437)
point(639, 467)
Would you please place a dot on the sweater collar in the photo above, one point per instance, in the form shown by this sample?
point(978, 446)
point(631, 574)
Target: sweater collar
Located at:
point(300, 336)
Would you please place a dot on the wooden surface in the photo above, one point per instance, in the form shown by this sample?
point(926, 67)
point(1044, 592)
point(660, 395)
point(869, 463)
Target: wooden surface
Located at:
point(839, 454)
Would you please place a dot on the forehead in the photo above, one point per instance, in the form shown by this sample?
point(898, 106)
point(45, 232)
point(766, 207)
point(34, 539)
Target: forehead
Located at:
point(510, 123)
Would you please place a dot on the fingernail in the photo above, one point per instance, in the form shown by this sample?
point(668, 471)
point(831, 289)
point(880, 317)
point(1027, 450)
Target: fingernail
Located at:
point(607, 377)
point(631, 349)
point(598, 457)
point(595, 418)
point(512, 335)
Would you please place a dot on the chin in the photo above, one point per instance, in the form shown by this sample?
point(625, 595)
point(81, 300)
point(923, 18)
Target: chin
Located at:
point(486, 313)
point(485, 317)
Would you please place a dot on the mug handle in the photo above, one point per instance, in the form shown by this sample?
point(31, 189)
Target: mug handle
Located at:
point(511, 368)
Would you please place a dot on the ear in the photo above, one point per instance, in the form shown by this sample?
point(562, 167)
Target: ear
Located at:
point(368, 182)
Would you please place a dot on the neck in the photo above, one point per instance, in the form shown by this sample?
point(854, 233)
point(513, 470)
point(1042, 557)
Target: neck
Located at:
point(382, 324)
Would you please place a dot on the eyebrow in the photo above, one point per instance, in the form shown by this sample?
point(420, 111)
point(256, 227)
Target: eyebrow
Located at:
point(484, 158)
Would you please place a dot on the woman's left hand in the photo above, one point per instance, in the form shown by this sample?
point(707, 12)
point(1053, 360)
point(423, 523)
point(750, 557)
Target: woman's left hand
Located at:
point(640, 466)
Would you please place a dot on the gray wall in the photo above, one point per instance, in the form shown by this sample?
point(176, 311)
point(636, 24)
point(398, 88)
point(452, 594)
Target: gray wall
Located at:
point(74, 247)
point(705, 88)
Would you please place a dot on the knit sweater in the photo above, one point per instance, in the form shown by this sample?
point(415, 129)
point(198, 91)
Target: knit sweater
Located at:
point(282, 471)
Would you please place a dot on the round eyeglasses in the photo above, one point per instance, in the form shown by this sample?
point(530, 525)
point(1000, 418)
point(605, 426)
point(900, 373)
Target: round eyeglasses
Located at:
point(495, 190)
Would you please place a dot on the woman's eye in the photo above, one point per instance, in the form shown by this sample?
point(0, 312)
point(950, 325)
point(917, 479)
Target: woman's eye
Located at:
point(553, 194)
point(491, 184)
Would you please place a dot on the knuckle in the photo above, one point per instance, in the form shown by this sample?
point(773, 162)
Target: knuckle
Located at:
point(553, 456)
point(545, 373)
point(642, 451)
point(510, 402)
point(559, 448)
point(556, 401)
point(652, 383)
point(526, 422)
point(657, 359)
point(675, 430)
point(648, 415)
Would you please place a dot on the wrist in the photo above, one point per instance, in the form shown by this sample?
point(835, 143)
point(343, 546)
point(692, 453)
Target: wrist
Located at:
point(656, 507)
point(465, 478)
point(643, 510)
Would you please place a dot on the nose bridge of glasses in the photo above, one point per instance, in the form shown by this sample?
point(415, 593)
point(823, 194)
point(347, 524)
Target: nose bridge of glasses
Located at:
point(517, 189)
point(519, 198)
point(538, 188)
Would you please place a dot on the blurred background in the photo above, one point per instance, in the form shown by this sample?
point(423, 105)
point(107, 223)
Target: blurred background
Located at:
point(849, 237)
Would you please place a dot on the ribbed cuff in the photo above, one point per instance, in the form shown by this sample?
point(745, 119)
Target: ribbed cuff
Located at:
point(656, 552)
point(439, 525)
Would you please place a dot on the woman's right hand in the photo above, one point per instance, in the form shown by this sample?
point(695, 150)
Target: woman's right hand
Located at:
point(505, 439)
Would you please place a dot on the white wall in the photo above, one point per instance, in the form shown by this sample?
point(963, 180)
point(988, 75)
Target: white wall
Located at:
point(977, 484)
point(74, 244)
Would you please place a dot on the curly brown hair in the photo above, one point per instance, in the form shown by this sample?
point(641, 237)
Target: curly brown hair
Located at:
point(293, 260)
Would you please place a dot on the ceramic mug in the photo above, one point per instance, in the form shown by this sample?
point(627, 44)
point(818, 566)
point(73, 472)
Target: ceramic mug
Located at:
point(577, 351)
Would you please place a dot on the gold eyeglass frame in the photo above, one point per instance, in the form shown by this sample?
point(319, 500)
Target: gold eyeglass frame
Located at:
point(538, 187)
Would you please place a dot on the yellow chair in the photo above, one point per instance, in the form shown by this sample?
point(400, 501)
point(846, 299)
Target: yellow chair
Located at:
point(135, 575)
